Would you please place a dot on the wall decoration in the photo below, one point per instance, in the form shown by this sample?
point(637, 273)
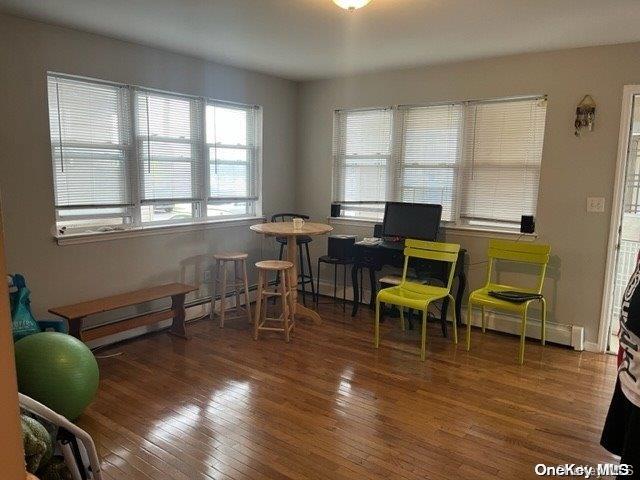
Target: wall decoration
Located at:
point(585, 115)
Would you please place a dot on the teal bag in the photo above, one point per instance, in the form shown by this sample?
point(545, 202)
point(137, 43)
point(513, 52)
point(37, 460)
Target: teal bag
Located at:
point(22, 320)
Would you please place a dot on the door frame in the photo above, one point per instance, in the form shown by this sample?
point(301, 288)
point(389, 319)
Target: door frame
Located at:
point(617, 202)
point(11, 451)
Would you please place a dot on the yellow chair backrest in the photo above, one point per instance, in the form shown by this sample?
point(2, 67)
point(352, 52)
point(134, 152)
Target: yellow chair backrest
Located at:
point(441, 252)
point(531, 253)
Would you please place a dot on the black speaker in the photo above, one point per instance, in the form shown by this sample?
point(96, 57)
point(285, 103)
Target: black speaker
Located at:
point(335, 210)
point(341, 246)
point(527, 224)
point(377, 230)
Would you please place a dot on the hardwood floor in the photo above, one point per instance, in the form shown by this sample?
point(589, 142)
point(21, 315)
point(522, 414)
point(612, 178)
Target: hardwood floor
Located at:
point(330, 406)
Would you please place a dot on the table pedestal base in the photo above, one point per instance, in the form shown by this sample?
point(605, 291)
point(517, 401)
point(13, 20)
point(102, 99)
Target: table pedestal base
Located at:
point(304, 312)
point(301, 310)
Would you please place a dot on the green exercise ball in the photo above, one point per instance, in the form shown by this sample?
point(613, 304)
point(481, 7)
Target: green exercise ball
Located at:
point(57, 370)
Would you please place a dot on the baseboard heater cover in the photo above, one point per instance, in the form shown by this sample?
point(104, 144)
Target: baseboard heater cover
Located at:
point(569, 335)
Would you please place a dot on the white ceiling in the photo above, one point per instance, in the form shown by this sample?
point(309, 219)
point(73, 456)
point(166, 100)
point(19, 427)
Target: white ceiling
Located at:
point(303, 39)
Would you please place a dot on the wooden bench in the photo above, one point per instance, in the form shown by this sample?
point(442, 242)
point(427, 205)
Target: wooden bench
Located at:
point(75, 314)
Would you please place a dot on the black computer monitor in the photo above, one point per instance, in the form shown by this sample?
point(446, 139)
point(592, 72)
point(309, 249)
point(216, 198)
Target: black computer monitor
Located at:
point(412, 220)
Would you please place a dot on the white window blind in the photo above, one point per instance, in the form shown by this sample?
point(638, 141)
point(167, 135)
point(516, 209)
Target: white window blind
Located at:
point(362, 159)
point(89, 143)
point(502, 155)
point(168, 131)
point(479, 160)
point(131, 155)
point(430, 156)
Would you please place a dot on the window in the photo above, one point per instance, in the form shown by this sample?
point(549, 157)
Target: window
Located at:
point(90, 151)
point(232, 159)
point(127, 156)
point(479, 160)
point(169, 154)
point(632, 177)
point(362, 146)
point(430, 158)
point(502, 155)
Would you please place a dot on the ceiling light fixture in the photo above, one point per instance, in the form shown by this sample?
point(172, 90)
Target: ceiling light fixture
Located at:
point(351, 5)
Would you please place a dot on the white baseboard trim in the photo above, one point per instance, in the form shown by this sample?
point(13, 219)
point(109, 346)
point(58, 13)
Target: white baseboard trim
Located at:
point(326, 288)
point(592, 347)
point(569, 335)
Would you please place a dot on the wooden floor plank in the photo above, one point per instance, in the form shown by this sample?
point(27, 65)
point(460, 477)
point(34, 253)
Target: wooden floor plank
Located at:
point(330, 406)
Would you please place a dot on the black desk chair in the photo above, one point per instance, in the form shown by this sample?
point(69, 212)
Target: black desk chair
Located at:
point(301, 241)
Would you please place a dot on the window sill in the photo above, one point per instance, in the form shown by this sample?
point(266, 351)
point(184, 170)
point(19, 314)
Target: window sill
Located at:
point(90, 237)
point(490, 232)
point(452, 229)
point(360, 222)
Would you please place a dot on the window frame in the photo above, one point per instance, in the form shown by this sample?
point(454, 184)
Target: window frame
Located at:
point(523, 169)
point(132, 213)
point(123, 96)
point(398, 162)
point(138, 139)
point(456, 167)
point(253, 154)
point(340, 162)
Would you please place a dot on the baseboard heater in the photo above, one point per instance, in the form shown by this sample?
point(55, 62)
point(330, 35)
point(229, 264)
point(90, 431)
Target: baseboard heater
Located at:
point(195, 310)
point(569, 335)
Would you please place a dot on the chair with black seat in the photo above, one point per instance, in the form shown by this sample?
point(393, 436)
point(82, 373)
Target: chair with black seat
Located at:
point(340, 251)
point(302, 241)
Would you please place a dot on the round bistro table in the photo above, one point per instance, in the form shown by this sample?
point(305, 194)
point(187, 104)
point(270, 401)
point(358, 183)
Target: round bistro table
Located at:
point(285, 229)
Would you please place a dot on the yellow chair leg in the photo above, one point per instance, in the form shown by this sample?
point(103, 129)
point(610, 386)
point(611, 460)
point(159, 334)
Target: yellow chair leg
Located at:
point(468, 326)
point(402, 318)
point(543, 333)
point(455, 320)
point(423, 349)
point(523, 331)
point(376, 327)
point(483, 321)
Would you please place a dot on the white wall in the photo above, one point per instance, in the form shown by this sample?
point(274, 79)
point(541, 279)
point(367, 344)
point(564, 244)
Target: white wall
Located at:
point(59, 275)
point(572, 168)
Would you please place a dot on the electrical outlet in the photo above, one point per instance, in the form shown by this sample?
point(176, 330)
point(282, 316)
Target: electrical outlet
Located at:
point(595, 204)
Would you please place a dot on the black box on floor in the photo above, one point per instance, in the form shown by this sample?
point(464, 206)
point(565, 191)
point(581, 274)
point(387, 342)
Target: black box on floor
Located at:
point(341, 246)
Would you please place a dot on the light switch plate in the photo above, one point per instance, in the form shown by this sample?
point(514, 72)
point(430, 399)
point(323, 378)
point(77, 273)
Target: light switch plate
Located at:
point(595, 204)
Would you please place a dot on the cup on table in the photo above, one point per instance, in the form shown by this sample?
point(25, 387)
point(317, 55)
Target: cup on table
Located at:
point(298, 223)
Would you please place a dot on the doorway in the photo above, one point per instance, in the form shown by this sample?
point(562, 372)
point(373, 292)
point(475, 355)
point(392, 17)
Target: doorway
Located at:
point(624, 237)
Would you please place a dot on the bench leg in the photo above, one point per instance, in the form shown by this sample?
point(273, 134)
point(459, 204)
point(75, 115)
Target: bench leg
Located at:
point(75, 327)
point(178, 328)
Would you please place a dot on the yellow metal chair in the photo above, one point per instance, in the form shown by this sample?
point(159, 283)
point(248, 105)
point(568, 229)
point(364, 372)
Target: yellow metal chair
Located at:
point(529, 253)
point(418, 296)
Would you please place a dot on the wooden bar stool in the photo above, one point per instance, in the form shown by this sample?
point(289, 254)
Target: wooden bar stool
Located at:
point(239, 282)
point(282, 290)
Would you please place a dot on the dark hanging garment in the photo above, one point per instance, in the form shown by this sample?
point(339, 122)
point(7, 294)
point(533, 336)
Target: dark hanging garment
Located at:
point(621, 432)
